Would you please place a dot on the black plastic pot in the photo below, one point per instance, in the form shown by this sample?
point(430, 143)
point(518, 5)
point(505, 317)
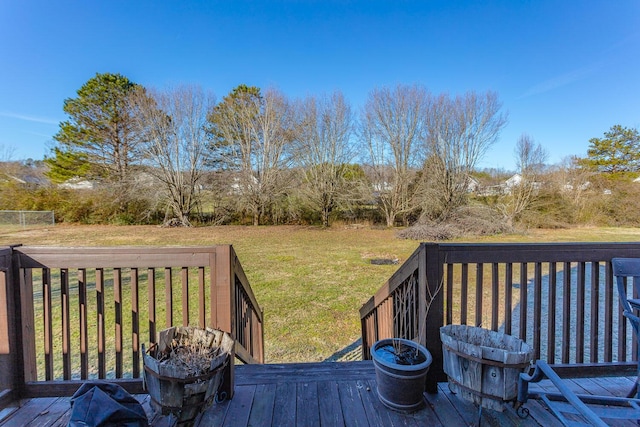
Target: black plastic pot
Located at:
point(400, 379)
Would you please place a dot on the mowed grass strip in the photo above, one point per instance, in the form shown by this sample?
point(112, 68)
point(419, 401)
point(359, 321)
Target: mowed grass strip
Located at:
point(309, 281)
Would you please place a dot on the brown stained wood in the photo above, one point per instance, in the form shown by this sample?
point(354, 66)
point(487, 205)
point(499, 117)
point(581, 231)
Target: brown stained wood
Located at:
point(307, 408)
point(184, 278)
point(551, 334)
point(580, 312)
point(524, 282)
point(608, 313)
point(117, 297)
point(100, 322)
point(82, 310)
point(135, 323)
point(47, 327)
point(28, 325)
point(449, 294)
point(537, 307)
point(464, 297)
point(151, 291)
point(224, 292)
point(566, 311)
point(479, 292)
point(594, 315)
point(202, 320)
point(66, 324)
point(508, 297)
point(168, 297)
point(495, 296)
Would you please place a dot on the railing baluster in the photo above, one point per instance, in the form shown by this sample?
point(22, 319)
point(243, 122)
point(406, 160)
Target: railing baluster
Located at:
point(622, 329)
point(117, 298)
point(47, 318)
point(168, 297)
point(185, 296)
point(595, 312)
point(82, 302)
point(580, 298)
point(508, 297)
point(464, 297)
point(551, 337)
point(608, 313)
point(479, 292)
point(449, 295)
point(66, 324)
point(537, 307)
point(201, 298)
point(135, 324)
point(524, 282)
point(151, 291)
point(495, 295)
point(100, 322)
point(566, 311)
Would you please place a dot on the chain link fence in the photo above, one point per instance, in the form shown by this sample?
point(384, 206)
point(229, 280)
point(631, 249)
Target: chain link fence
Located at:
point(26, 219)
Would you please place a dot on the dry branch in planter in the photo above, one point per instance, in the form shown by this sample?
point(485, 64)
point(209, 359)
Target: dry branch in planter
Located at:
point(184, 370)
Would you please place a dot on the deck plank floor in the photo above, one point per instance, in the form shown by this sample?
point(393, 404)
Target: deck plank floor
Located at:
point(324, 394)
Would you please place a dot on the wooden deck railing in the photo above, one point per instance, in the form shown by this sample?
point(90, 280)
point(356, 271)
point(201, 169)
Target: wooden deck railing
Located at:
point(560, 298)
point(82, 313)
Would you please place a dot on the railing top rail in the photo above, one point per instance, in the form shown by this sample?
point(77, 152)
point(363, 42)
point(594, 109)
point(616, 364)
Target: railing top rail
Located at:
point(115, 256)
point(536, 252)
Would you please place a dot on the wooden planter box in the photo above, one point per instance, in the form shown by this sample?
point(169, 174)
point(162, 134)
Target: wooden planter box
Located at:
point(483, 366)
point(181, 384)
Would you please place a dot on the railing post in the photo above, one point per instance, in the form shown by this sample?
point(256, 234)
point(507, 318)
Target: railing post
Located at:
point(10, 363)
point(431, 309)
point(223, 306)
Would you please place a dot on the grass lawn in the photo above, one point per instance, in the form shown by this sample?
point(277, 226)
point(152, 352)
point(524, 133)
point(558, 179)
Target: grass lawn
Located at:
point(310, 282)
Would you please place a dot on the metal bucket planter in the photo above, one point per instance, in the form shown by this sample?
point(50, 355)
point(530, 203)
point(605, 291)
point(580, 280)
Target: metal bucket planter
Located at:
point(483, 366)
point(400, 379)
point(184, 370)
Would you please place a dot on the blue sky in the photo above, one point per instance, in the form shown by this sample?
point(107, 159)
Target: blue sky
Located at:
point(565, 71)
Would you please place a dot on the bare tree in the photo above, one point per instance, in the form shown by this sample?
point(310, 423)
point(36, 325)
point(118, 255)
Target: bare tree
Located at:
point(460, 130)
point(530, 160)
point(251, 135)
point(393, 128)
point(324, 151)
point(173, 123)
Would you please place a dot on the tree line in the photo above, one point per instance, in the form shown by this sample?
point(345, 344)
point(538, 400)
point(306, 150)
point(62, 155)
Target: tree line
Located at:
point(407, 156)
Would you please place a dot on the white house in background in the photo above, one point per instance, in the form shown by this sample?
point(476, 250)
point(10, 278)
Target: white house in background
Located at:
point(77, 183)
point(473, 185)
point(637, 179)
point(514, 181)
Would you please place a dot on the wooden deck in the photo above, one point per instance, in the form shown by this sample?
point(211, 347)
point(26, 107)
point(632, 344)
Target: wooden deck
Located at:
point(324, 394)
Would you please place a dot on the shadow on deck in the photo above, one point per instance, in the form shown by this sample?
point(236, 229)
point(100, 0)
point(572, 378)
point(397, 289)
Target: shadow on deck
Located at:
point(327, 394)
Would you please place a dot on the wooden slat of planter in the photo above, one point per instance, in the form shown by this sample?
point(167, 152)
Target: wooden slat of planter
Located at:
point(184, 278)
point(135, 323)
point(66, 324)
point(47, 319)
point(82, 309)
point(117, 297)
point(100, 322)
